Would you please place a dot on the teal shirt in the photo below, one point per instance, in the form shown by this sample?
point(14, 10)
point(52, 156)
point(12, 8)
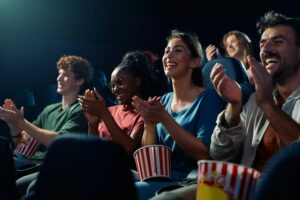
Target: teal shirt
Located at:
point(63, 121)
point(198, 119)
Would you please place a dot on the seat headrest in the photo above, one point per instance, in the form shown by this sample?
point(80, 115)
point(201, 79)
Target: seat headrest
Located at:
point(234, 69)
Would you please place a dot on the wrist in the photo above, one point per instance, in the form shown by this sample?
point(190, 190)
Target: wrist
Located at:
point(231, 116)
point(93, 123)
point(149, 125)
point(265, 107)
point(230, 122)
point(105, 113)
point(165, 118)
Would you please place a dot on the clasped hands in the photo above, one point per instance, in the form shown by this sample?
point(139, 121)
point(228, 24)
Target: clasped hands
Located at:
point(151, 110)
point(93, 105)
point(9, 112)
point(230, 90)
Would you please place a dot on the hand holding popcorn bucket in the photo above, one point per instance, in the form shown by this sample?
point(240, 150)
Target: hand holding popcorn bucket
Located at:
point(153, 161)
point(225, 181)
point(27, 145)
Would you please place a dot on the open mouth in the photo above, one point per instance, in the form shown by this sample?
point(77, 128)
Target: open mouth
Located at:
point(271, 60)
point(171, 64)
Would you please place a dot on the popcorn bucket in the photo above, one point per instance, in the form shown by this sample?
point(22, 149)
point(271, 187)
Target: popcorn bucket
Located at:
point(223, 181)
point(153, 161)
point(27, 145)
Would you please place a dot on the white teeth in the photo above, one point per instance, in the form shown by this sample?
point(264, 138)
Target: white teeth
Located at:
point(171, 64)
point(271, 60)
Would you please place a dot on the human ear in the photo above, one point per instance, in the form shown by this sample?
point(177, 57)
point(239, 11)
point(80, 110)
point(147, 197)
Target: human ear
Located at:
point(195, 63)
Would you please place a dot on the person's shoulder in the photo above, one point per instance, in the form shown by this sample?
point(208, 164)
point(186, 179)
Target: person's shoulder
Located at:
point(73, 108)
point(115, 107)
point(212, 96)
point(208, 93)
point(167, 96)
point(53, 106)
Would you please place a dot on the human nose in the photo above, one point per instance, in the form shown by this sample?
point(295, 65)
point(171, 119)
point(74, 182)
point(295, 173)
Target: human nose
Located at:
point(169, 53)
point(58, 77)
point(266, 46)
point(114, 87)
point(229, 46)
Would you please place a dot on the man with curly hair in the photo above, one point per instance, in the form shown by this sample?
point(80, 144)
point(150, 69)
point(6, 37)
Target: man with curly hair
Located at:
point(74, 73)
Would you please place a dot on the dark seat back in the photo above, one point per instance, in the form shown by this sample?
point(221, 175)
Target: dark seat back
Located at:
point(233, 69)
point(84, 167)
point(281, 177)
point(7, 171)
point(26, 99)
point(48, 95)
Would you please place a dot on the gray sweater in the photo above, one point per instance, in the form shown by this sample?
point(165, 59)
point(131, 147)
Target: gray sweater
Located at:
point(239, 143)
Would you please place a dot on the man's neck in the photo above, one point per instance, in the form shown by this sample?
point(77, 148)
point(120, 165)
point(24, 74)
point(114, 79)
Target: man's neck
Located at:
point(286, 88)
point(67, 100)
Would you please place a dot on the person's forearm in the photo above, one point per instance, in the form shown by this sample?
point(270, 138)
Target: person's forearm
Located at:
point(287, 128)
point(45, 137)
point(191, 145)
point(14, 130)
point(149, 134)
point(232, 115)
point(116, 133)
point(93, 128)
point(15, 133)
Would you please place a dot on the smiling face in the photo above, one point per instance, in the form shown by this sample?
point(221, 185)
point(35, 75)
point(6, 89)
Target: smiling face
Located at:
point(67, 82)
point(279, 52)
point(234, 47)
point(177, 59)
point(124, 86)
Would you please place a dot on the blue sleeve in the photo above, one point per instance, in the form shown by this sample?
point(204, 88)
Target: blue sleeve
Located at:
point(212, 104)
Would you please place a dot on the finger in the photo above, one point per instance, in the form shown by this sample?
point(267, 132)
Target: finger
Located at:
point(137, 99)
point(141, 106)
point(22, 111)
point(136, 105)
point(257, 70)
point(12, 103)
point(8, 104)
point(217, 74)
point(89, 94)
point(215, 70)
point(80, 99)
point(219, 86)
point(99, 96)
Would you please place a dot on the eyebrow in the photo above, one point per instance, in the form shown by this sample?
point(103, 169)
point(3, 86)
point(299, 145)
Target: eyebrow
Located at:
point(273, 38)
point(176, 46)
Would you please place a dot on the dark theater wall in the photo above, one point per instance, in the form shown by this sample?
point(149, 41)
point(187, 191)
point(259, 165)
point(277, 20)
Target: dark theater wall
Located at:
point(35, 33)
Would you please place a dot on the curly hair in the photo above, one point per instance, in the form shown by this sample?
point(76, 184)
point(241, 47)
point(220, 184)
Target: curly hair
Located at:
point(137, 64)
point(81, 67)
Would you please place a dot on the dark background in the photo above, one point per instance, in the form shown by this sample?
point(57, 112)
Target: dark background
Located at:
point(35, 33)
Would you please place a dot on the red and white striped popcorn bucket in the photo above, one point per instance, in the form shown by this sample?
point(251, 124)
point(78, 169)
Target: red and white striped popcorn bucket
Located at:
point(27, 145)
point(219, 180)
point(153, 161)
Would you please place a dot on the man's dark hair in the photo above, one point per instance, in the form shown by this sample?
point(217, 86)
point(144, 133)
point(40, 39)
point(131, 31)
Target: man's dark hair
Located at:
point(271, 19)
